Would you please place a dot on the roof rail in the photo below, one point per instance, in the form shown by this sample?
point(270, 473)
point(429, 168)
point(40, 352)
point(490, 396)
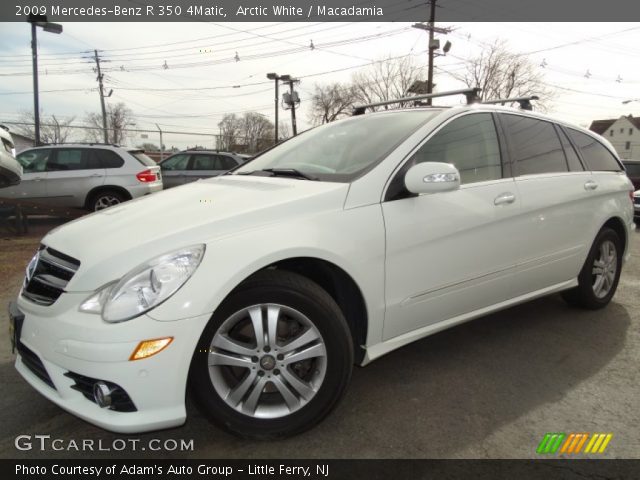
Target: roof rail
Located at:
point(525, 102)
point(79, 143)
point(470, 93)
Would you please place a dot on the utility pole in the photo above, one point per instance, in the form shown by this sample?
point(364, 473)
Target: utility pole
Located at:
point(432, 48)
point(38, 21)
point(276, 78)
point(434, 44)
point(101, 91)
point(291, 99)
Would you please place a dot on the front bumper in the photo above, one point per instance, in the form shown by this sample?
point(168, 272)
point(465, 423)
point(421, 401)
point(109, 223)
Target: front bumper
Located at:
point(66, 340)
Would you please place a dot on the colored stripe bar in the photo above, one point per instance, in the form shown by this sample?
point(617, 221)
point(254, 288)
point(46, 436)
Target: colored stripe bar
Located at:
point(606, 441)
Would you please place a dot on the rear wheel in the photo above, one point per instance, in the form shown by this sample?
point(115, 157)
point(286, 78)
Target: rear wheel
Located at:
point(105, 199)
point(275, 358)
point(598, 279)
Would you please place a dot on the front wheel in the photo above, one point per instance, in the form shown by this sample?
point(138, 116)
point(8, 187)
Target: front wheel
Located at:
point(598, 279)
point(275, 358)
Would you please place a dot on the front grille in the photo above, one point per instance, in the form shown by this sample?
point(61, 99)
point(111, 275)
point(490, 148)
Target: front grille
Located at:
point(120, 400)
point(31, 360)
point(48, 276)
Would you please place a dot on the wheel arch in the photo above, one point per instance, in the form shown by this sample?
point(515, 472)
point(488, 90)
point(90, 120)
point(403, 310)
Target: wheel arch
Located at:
point(618, 226)
point(103, 188)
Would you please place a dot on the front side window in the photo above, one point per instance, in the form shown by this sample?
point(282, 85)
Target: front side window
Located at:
point(177, 162)
point(469, 143)
point(534, 145)
point(342, 151)
point(595, 155)
point(226, 163)
point(34, 160)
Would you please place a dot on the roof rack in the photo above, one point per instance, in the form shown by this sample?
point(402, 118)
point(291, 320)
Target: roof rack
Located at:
point(79, 143)
point(525, 102)
point(470, 93)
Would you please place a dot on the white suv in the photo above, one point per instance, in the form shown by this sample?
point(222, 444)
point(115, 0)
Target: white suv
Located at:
point(257, 291)
point(91, 176)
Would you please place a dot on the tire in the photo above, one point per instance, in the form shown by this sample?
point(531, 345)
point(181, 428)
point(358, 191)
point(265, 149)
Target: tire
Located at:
point(595, 290)
point(104, 199)
point(270, 394)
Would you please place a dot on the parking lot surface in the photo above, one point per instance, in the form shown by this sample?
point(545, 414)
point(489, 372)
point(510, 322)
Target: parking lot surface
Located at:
point(490, 388)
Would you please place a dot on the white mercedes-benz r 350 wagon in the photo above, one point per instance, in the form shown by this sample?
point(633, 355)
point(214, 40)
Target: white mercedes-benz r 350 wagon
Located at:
point(257, 291)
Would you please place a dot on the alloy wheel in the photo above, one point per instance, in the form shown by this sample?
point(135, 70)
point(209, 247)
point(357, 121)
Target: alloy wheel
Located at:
point(605, 266)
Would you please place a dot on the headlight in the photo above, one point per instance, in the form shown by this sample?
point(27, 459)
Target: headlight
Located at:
point(145, 287)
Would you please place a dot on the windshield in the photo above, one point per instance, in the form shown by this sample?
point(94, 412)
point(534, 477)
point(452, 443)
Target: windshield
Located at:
point(342, 151)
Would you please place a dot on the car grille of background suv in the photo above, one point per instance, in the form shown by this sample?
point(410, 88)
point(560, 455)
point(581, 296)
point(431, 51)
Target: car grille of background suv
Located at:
point(49, 278)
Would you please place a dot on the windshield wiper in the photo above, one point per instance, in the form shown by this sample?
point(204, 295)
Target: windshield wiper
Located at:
point(281, 172)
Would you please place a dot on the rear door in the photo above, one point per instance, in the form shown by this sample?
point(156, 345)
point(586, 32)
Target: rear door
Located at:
point(33, 185)
point(71, 174)
point(555, 191)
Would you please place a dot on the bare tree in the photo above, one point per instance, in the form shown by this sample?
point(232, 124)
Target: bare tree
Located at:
point(504, 74)
point(386, 80)
point(250, 133)
point(257, 131)
point(284, 130)
point(119, 118)
point(230, 128)
point(332, 101)
point(52, 129)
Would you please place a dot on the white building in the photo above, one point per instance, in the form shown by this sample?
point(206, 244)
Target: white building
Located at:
point(623, 133)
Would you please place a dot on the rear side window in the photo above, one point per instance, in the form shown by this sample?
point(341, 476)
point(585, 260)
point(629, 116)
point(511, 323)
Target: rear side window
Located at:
point(470, 143)
point(67, 159)
point(142, 158)
point(534, 145)
point(108, 158)
point(595, 155)
point(572, 157)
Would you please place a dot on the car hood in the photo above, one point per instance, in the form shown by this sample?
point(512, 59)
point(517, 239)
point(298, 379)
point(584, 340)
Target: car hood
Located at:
point(111, 242)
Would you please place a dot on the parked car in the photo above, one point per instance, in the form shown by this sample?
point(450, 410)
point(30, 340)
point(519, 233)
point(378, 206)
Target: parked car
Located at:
point(334, 248)
point(192, 165)
point(636, 206)
point(633, 171)
point(91, 176)
point(10, 169)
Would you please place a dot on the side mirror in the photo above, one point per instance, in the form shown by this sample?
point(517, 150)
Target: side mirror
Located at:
point(432, 177)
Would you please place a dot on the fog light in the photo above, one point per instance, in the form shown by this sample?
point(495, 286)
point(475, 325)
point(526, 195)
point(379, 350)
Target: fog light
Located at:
point(102, 394)
point(147, 348)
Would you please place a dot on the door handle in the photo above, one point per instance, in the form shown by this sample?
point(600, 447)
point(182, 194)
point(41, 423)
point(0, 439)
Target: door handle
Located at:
point(504, 199)
point(590, 185)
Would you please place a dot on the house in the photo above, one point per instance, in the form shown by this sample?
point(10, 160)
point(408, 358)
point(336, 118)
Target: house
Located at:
point(21, 142)
point(623, 133)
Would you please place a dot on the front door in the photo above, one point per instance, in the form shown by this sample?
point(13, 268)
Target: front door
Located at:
point(451, 253)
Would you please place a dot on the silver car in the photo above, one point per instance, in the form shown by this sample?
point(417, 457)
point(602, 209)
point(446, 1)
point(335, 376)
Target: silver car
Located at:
point(10, 169)
point(192, 165)
point(91, 176)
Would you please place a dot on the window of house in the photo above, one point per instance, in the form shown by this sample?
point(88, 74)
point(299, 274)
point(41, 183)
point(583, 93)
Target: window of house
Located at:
point(631, 131)
point(627, 145)
point(611, 133)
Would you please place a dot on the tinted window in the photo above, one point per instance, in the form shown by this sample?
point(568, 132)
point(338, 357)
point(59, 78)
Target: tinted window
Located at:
point(534, 145)
point(205, 162)
point(142, 158)
point(65, 159)
point(177, 162)
point(595, 155)
point(108, 158)
point(572, 157)
point(633, 169)
point(226, 163)
point(470, 143)
point(34, 160)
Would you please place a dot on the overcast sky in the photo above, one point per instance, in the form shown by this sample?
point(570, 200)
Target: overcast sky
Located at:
point(135, 55)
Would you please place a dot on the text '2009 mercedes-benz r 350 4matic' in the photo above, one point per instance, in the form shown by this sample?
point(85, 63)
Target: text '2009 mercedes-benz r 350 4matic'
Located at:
point(257, 291)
